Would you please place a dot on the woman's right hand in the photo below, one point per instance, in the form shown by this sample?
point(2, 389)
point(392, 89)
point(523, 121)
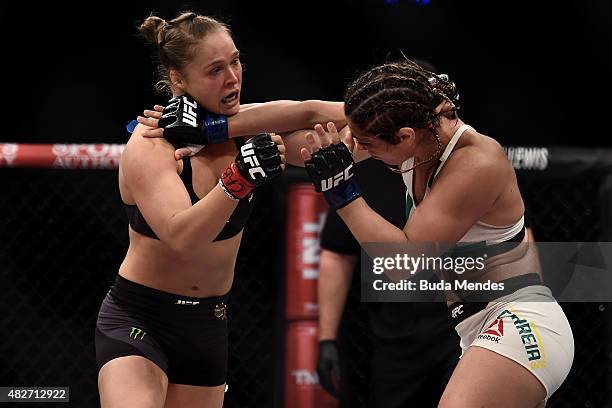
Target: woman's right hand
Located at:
point(259, 160)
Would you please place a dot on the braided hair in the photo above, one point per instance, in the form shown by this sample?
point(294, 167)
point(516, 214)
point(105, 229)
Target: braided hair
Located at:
point(395, 95)
point(402, 94)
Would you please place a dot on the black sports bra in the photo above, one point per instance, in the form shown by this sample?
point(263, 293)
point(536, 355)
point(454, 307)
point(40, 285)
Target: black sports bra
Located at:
point(234, 225)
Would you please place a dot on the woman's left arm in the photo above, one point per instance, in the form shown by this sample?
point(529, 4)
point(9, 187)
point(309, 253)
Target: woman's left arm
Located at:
point(284, 116)
point(465, 190)
point(271, 117)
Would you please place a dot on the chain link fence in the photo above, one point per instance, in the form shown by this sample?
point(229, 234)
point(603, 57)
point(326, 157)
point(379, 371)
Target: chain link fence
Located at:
point(64, 234)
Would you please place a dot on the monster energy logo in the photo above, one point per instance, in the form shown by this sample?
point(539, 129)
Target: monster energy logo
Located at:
point(135, 332)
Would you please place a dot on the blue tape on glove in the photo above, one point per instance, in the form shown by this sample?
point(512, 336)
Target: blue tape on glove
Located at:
point(215, 128)
point(132, 125)
point(342, 195)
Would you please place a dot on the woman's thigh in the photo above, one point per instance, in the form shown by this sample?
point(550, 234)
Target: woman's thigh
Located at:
point(132, 381)
point(486, 379)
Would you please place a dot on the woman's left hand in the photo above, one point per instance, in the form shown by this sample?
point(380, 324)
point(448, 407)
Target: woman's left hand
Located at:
point(324, 138)
point(329, 164)
point(151, 119)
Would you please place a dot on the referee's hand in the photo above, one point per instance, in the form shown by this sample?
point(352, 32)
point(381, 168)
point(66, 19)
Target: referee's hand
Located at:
point(328, 367)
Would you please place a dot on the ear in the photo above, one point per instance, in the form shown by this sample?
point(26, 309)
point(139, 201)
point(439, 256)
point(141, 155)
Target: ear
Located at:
point(177, 81)
point(406, 133)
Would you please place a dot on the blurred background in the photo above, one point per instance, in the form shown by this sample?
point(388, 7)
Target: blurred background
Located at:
point(529, 74)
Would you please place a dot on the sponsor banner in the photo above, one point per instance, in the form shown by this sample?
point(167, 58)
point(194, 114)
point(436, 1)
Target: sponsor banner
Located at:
point(573, 271)
point(306, 212)
point(61, 156)
point(528, 158)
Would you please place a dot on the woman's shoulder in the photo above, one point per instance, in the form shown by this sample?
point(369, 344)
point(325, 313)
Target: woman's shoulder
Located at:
point(138, 143)
point(140, 150)
point(478, 153)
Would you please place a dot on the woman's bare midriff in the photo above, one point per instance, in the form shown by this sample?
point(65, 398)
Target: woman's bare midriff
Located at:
point(209, 271)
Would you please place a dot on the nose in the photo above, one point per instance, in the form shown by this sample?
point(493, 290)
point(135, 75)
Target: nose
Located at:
point(231, 77)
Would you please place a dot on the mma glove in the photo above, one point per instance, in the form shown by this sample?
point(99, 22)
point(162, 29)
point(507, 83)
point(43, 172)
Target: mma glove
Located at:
point(257, 162)
point(328, 366)
point(185, 123)
point(331, 171)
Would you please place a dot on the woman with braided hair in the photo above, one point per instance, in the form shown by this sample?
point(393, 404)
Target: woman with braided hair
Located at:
point(462, 194)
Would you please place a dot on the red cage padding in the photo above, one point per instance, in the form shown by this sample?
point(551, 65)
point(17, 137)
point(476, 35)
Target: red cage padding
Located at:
point(306, 212)
point(61, 156)
point(302, 389)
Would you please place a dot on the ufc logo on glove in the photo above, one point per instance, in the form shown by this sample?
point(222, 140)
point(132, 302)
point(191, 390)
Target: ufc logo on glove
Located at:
point(249, 157)
point(189, 113)
point(330, 169)
point(331, 182)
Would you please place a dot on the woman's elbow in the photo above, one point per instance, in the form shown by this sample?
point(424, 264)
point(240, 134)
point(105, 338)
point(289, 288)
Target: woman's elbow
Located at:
point(316, 111)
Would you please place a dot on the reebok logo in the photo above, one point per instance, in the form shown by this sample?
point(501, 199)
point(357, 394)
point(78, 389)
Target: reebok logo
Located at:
point(334, 181)
point(496, 328)
point(488, 337)
point(494, 332)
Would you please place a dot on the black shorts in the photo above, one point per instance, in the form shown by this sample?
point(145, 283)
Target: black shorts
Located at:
point(185, 336)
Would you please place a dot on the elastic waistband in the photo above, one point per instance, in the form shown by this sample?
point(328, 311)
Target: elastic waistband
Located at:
point(125, 289)
point(473, 304)
point(459, 311)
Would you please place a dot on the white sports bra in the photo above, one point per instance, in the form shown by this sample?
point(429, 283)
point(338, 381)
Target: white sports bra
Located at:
point(480, 231)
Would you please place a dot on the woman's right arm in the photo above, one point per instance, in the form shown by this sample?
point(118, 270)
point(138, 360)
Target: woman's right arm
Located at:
point(149, 168)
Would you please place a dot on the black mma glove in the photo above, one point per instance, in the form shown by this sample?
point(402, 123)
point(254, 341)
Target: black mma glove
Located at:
point(328, 365)
point(186, 123)
point(257, 162)
point(331, 170)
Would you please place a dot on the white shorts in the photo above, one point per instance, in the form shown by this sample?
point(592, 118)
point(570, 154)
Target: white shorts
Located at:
point(529, 327)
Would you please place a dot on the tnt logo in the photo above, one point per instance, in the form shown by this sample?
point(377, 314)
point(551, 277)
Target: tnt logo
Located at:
point(248, 153)
point(189, 113)
point(305, 377)
point(332, 182)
